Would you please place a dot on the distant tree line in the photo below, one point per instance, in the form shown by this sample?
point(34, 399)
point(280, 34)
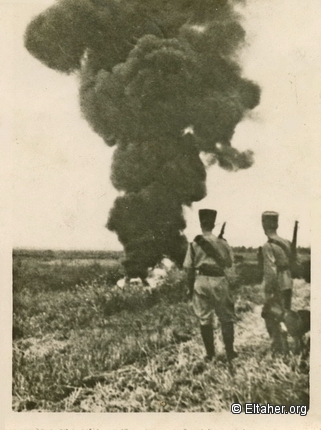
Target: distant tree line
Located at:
point(67, 254)
point(250, 249)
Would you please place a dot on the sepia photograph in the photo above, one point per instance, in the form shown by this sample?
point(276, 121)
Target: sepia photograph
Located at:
point(161, 162)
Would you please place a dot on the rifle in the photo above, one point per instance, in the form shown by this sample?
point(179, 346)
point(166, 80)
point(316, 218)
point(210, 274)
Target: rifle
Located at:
point(221, 235)
point(295, 267)
point(294, 240)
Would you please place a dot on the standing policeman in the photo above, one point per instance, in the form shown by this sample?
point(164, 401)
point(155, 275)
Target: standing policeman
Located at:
point(208, 262)
point(277, 280)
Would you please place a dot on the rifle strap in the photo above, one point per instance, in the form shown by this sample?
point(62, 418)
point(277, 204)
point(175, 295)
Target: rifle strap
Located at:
point(211, 251)
point(286, 251)
point(192, 252)
point(282, 245)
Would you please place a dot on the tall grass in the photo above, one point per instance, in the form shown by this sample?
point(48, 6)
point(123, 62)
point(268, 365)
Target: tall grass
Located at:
point(85, 345)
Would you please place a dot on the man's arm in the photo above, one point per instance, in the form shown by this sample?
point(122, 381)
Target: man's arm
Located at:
point(190, 282)
point(270, 279)
point(190, 270)
point(230, 272)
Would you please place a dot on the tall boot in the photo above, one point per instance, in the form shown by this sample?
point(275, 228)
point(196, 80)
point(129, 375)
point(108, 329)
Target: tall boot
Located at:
point(228, 339)
point(270, 326)
point(279, 341)
point(208, 339)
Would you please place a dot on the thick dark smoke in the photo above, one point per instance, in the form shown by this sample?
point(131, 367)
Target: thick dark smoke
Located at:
point(148, 71)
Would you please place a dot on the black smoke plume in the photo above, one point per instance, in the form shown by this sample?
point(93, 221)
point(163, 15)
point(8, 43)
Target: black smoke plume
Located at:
point(148, 71)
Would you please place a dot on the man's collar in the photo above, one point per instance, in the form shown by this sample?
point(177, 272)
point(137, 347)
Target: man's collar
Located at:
point(208, 233)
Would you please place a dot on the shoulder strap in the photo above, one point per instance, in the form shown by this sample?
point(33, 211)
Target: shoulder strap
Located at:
point(192, 251)
point(286, 250)
point(211, 251)
point(282, 245)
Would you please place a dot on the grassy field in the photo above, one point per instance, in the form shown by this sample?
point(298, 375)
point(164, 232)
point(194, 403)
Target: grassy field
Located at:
point(82, 344)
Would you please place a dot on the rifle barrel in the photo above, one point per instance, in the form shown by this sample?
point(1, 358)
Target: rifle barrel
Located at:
point(222, 230)
point(295, 236)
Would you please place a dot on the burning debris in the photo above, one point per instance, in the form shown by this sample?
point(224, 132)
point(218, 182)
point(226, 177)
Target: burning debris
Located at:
point(155, 278)
point(160, 81)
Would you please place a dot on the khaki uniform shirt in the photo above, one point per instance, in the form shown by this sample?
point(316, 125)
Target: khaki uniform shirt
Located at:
point(196, 257)
point(275, 278)
point(211, 293)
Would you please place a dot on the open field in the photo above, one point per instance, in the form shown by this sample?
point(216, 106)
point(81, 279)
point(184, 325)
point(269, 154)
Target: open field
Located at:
point(80, 344)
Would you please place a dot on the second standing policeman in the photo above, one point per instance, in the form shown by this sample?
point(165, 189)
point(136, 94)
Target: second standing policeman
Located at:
point(277, 278)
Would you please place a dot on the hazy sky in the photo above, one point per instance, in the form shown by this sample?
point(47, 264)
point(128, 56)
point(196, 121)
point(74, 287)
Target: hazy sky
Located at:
point(61, 188)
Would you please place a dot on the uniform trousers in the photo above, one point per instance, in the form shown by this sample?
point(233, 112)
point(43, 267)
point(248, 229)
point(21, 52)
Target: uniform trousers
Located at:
point(279, 343)
point(211, 294)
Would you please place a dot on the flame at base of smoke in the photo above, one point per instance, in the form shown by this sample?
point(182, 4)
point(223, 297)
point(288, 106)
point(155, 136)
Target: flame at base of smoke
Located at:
point(155, 276)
